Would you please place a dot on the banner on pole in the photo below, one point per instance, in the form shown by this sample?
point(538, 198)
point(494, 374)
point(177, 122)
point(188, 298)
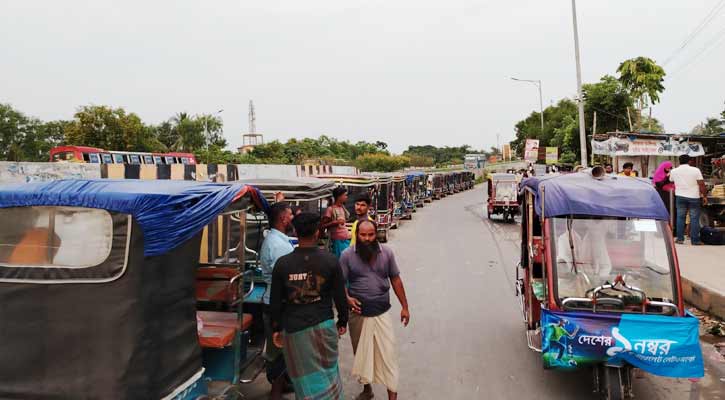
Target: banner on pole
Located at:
point(638, 147)
point(531, 151)
point(552, 155)
point(506, 152)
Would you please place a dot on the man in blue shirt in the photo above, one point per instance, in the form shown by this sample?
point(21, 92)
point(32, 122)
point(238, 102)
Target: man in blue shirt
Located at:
point(275, 245)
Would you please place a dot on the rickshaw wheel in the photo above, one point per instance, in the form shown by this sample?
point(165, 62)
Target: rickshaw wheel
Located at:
point(613, 383)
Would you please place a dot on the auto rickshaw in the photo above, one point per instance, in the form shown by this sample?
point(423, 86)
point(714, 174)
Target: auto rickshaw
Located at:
point(502, 196)
point(115, 289)
point(599, 282)
point(384, 207)
point(309, 194)
point(457, 182)
point(400, 208)
point(470, 180)
point(446, 184)
point(438, 186)
point(416, 186)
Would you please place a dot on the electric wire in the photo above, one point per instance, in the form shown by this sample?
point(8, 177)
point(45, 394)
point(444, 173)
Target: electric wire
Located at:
point(700, 27)
point(714, 42)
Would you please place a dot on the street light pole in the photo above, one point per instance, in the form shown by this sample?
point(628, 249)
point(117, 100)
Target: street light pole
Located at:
point(541, 99)
point(582, 128)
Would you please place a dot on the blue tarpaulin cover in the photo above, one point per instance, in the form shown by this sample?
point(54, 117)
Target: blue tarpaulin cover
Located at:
point(169, 212)
point(581, 194)
point(410, 175)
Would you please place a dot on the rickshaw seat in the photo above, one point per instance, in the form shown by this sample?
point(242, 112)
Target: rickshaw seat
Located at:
point(220, 328)
point(216, 337)
point(216, 273)
point(225, 319)
point(212, 284)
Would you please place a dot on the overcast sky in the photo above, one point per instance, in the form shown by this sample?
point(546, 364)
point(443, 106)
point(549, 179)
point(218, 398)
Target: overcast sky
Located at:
point(405, 72)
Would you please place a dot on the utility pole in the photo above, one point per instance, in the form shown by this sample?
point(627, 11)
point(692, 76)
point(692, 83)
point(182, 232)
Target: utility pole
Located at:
point(582, 128)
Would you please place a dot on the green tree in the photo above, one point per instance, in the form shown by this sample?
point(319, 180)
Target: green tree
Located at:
point(441, 156)
point(421, 161)
point(187, 133)
point(643, 78)
point(381, 162)
point(560, 130)
point(610, 100)
point(111, 129)
point(24, 138)
point(711, 127)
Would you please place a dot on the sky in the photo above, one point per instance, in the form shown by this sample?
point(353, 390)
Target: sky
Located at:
point(405, 72)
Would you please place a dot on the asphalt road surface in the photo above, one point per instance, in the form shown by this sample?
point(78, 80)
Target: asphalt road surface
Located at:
point(466, 337)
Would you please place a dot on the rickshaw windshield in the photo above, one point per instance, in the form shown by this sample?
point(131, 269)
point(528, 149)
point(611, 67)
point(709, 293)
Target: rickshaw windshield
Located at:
point(588, 253)
point(505, 190)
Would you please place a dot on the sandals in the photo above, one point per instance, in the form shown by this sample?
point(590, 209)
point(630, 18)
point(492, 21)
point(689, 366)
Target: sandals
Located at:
point(365, 396)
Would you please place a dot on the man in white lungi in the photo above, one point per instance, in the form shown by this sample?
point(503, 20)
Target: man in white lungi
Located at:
point(370, 270)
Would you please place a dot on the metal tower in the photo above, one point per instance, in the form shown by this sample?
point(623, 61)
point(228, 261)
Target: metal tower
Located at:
point(251, 138)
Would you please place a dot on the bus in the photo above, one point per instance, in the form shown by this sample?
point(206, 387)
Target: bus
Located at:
point(94, 155)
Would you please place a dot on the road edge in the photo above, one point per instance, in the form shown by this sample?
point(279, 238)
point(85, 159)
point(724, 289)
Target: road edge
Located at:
point(704, 298)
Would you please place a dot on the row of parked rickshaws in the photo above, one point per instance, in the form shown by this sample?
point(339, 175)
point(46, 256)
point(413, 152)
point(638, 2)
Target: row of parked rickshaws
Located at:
point(397, 196)
point(133, 289)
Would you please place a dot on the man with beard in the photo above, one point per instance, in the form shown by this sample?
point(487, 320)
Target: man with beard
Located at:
point(370, 270)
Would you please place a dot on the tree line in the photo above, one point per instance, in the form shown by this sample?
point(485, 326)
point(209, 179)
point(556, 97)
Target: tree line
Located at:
point(619, 103)
point(25, 138)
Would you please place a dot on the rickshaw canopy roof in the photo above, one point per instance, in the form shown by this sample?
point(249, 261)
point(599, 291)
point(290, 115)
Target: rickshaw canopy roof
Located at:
point(169, 212)
point(411, 175)
point(352, 180)
point(295, 189)
point(383, 176)
point(581, 194)
point(503, 177)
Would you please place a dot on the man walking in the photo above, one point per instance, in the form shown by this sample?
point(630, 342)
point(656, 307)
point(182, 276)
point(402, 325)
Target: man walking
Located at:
point(334, 221)
point(370, 270)
point(362, 209)
point(304, 285)
point(275, 245)
point(690, 193)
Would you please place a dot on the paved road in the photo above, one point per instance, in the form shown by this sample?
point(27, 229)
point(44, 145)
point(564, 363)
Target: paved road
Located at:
point(466, 339)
